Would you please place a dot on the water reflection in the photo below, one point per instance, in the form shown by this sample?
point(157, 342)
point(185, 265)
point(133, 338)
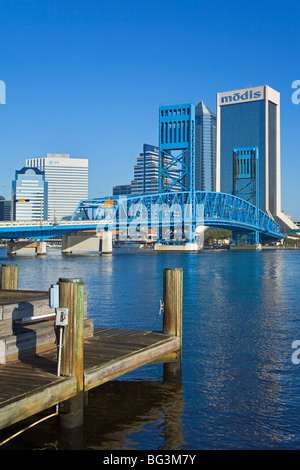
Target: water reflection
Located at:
point(135, 415)
point(243, 356)
point(120, 415)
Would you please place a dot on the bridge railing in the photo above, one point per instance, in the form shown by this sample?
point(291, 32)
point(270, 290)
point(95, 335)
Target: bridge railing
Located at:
point(44, 223)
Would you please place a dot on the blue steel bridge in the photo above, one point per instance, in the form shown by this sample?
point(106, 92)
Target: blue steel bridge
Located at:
point(211, 209)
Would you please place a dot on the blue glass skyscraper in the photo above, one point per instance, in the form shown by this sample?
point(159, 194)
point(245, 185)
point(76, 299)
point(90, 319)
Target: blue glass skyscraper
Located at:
point(248, 119)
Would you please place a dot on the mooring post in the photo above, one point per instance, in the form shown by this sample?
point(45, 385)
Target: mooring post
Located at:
point(71, 296)
point(172, 317)
point(9, 276)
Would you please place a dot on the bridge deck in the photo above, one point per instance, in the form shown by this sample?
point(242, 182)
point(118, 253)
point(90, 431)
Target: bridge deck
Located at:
point(30, 386)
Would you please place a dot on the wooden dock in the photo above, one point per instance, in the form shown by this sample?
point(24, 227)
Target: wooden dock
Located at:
point(30, 384)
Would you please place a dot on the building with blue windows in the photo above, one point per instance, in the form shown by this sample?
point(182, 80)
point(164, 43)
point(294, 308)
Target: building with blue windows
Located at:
point(248, 148)
point(205, 148)
point(122, 189)
point(5, 209)
point(29, 195)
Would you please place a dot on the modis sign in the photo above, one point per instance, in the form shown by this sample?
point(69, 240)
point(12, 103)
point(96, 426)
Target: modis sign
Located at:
point(241, 96)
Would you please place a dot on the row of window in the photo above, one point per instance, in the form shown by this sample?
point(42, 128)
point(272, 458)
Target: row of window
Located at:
point(175, 112)
point(175, 132)
point(244, 167)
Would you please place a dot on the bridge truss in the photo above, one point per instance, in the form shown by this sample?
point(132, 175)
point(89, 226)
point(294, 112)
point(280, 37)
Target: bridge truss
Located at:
point(175, 217)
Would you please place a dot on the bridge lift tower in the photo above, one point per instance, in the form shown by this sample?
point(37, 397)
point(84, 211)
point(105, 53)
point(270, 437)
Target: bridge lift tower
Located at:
point(177, 155)
point(246, 186)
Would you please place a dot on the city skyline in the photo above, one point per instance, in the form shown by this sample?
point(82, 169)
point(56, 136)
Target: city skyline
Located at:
point(81, 67)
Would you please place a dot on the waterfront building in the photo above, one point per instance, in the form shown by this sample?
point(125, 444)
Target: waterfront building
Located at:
point(29, 194)
point(205, 148)
point(248, 128)
point(145, 179)
point(5, 209)
point(122, 189)
point(177, 148)
point(67, 180)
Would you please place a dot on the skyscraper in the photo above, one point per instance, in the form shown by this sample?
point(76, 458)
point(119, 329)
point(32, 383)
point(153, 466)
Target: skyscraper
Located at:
point(29, 193)
point(248, 128)
point(67, 180)
point(205, 148)
point(145, 180)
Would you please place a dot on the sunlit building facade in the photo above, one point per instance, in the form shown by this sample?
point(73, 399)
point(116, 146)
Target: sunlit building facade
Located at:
point(145, 179)
point(67, 180)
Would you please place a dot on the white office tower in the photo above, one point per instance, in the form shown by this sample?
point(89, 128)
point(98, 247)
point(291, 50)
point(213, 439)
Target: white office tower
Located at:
point(67, 180)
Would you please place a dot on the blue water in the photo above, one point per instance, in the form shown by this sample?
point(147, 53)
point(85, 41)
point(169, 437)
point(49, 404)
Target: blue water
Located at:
point(239, 388)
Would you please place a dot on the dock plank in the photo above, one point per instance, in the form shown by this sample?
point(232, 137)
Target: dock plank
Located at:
point(26, 389)
point(111, 354)
point(31, 385)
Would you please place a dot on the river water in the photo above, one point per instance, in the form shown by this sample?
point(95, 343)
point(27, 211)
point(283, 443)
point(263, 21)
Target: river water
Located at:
point(239, 388)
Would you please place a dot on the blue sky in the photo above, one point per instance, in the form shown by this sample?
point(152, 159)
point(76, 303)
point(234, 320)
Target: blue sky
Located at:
point(87, 77)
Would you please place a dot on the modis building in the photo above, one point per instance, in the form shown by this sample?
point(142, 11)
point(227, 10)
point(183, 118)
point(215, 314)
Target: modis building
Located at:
point(248, 148)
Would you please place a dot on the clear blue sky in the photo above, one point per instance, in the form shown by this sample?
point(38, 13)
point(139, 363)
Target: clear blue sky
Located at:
point(87, 77)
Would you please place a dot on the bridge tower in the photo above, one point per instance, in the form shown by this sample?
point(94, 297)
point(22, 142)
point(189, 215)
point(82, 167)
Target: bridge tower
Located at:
point(246, 186)
point(177, 155)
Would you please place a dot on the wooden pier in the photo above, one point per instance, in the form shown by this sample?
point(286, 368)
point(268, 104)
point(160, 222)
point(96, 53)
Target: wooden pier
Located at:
point(32, 383)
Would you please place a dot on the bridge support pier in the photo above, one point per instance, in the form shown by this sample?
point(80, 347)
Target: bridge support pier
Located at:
point(106, 243)
point(245, 247)
point(177, 247)
point(26, 247)
point(242, 241)
point(87, 242)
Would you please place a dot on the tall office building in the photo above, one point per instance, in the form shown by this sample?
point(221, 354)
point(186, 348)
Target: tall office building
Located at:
point(29, 193)
point(145, 179)
point(248, 147)
point(205, 148)
point(67, 180)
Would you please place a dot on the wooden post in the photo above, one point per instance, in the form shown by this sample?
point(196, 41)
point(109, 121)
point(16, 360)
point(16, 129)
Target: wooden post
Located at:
point(9, 276)
point(172, 318)
point(71, 297)
point(172, 292)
